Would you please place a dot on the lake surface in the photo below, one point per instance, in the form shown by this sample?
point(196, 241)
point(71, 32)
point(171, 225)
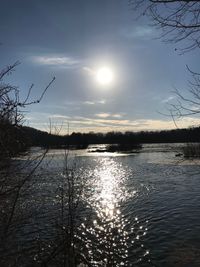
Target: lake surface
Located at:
point(140, 209)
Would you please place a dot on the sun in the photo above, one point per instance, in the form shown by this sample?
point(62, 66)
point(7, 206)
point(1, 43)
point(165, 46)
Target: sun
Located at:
point(104, 76)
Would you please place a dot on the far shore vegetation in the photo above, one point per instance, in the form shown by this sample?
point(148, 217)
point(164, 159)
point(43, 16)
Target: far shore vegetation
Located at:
point(129, 140)
point(20, 138)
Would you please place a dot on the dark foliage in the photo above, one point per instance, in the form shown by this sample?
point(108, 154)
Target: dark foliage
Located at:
point(13, 139)
point(123, 147)
point(82, 140)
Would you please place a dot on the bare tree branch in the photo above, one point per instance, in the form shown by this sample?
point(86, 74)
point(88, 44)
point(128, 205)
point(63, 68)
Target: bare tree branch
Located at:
point(178, 20)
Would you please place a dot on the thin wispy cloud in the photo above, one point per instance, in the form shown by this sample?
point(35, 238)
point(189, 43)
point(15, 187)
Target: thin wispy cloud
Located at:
point(105, 124)
point(168, 99)
point(143, 31)
point(103, 115)
point(109, 115)
point(107, 120)
point(88, 102)
point(138, 32)
point(117, 116)
point(101, 102)
point(99, 122)
point(89, 71)
point(61, 61)
point(133, 125)
point(59, 116)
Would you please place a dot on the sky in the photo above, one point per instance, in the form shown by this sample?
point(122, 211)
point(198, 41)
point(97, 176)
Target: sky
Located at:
point(72, 40)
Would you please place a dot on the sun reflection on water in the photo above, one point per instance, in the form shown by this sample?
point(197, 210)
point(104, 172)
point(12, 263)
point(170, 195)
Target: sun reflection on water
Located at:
point(108, 229)
point(109, 188)
point(110, 235)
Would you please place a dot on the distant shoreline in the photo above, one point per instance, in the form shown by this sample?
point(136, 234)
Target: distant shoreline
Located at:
point(82, 140)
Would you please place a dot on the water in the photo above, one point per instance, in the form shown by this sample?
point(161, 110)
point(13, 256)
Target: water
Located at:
point(140, 209)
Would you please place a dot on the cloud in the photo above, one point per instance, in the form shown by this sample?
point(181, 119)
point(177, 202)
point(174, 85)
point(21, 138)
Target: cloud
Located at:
point(117, 116)
point(168, 99)
point(104, 122)
point(88, 102)
point(107, 115)
point(101, 102)
point(89, 71)
point(58, 116)
point(139, 32)
point(103, 115)
point(143, 31)
point(56, 61)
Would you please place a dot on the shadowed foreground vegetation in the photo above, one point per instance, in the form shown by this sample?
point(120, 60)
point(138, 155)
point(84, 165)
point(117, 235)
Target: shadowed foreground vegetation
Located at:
point(191, 151)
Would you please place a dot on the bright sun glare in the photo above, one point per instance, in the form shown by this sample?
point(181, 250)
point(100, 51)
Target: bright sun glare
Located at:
point(104, 76)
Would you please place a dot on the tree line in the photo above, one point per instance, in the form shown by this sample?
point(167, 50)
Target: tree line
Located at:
point(82, 140)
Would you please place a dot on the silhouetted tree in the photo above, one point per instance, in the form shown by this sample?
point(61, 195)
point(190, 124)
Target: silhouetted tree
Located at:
point(12, 138)
point(13, 182)
point(187, 105)
point(179, 21)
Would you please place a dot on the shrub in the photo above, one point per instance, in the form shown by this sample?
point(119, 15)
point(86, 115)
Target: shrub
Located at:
point(191, 150)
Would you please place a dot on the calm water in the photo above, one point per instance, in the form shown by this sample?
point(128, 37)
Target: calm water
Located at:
point(139, 209)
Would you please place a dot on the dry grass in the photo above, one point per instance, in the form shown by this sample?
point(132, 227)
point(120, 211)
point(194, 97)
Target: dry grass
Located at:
point(192, 150)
